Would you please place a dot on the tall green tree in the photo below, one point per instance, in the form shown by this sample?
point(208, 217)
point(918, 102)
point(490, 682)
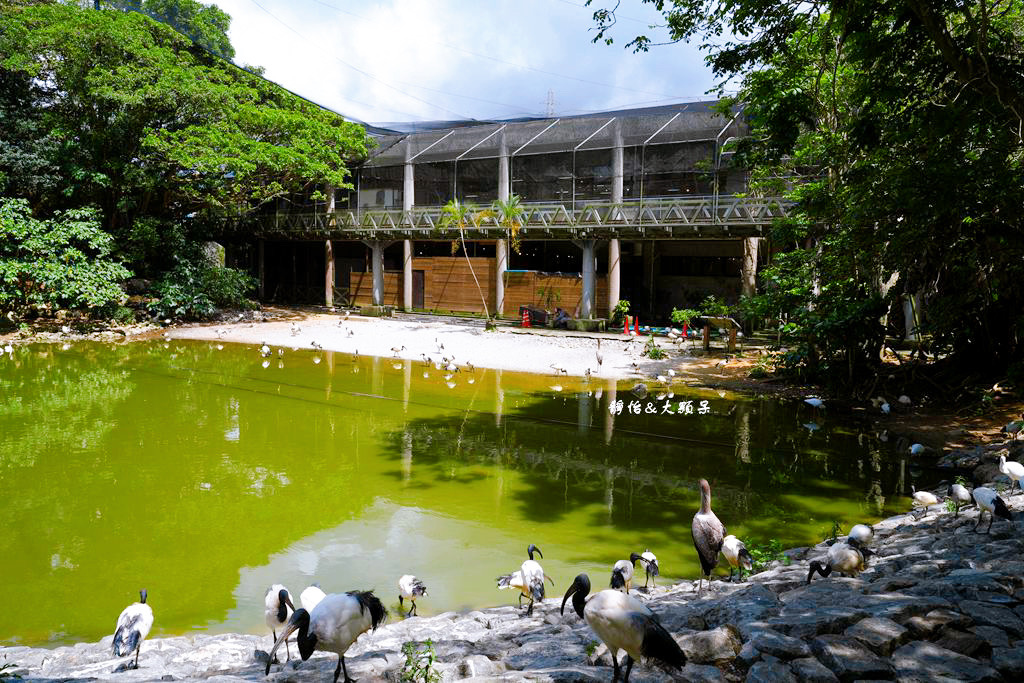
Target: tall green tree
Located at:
point(897, 127)
point(153, 129)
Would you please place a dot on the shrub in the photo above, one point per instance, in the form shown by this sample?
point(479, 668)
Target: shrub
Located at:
point(195, 289)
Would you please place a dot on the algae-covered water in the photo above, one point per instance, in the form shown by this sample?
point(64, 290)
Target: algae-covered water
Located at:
point(204, 472)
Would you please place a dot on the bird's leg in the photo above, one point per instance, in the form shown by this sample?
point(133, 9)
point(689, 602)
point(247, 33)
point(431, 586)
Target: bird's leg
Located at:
point(287, 650)
point(274, 634)
point(337, 669)
point(400, 603)
point(615, 664)
point(957, 512)
point(529, 610)
point(137, 648)
point(981, 513)
point(731, 570)
point(345, 669)
point(991, 518)
point(700, 584)
point(629, 667)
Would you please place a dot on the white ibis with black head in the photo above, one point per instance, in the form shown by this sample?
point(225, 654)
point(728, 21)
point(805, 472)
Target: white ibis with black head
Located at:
point(737, 555)
point(842, 557)
point(1013, 470)
point(528, 580)
point(333, 625)
point(277, 602)
point(623, 623)
point(622, 573)
point(988, 500)
point(133, 626)
point(960, 496)
point(410, 587)
point(923, 499)
point(650, 561)
point(708, 534)
point(860, 535)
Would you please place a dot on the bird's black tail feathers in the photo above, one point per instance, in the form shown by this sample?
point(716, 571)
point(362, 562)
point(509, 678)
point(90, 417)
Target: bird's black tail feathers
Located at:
point(537, 589)
point(504, 581)
point(369, 601)
point(618, 580)
point(659, 644)
point(125, 641)
point(746, 560)
point(1002, 510)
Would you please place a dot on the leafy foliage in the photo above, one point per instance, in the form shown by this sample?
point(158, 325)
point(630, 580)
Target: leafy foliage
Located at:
point(195, 289)
point(652, 350)
point(620, 312)
point(763, 554)
point(63, 262)
point(897, 128)
point(683, 316)
point(457, 215)
point(419, 658)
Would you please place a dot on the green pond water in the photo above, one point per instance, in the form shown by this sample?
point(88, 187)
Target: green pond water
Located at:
point(191, 470)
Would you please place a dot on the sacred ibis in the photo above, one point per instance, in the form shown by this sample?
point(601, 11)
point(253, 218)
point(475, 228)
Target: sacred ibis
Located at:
point(333, 625)
point(923, 499)
point(277, 602)
point(132, 628)
point(1014, 470)
point(737, 555)
point(623, 623)
point(650, 566)
point(708, 533)
point(598, 356)
point(960, 496)
point(410, 587)
point(528, 580)
point(622, 573)
point(989, 500)
point(842, 557)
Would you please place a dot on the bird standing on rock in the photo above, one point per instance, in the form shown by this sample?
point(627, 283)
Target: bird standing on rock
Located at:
point(133, 626)
point(622, 573)
point(959, 494)
point(1014, 470)
point(333, 625)
point(860, 535)
point(737, 555)
point(529, 579)
point(623, 623)
point(923, 499)
point(988, 500)
point(844, 558)
point(708, 534)
point(277, 602)
point(650, 561)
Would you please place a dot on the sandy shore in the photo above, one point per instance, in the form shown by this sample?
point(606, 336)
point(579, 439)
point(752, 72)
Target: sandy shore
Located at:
point(548, 352)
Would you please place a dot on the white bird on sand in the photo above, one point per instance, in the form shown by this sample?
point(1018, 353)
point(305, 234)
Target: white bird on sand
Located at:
point(737, 555)
point(410, 587)
point(923, 499)
point(528, 580)
point(989, 500)
point(311, 596)
point(1014, 470)
point(842, 557)
point(132, 628)
point(333, 625)
point(623, 623)
point(277, 602)
point(960, 496)
point(650, 561)
point(708, 533)
point(622, 573)
point(597, 354)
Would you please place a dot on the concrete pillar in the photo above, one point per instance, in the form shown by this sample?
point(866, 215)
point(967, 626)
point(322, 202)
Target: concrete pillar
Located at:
point(501, 265)
point(617, 166)
point(748, 274)
point(504, 182)
point(329, 274)
point(407, 275)
point(614, 274)
point(262, 268)
point(589, 278)
point(408, 188)
point(377, 268)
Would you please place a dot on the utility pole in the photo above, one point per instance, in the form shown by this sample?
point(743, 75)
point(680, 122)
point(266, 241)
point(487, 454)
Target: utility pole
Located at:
point(551, 104)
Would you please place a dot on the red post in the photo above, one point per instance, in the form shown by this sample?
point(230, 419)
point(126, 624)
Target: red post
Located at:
point(636, 326)
point(526, 317)
point(625, 326)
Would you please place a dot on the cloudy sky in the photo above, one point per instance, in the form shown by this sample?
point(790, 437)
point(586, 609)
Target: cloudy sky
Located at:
point(408, 60)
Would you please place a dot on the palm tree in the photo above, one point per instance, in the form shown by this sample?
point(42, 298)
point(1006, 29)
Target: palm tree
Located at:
point(509, 215)
point(460, 216)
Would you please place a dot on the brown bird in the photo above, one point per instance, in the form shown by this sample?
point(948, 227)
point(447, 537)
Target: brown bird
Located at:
point(708, 534)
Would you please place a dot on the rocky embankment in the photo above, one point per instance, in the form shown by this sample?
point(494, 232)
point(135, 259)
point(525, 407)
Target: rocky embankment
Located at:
point(939, 602)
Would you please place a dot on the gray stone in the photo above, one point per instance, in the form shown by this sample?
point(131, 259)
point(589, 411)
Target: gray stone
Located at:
point(748, 653)
point(750, 604)
point(848, 659)
point(963, 642)
point(1009, 661)
point(716, 645)
point(810, 670)
point(763, 672)
point(882, 636)
point(544, 654)
point(478, 665)
point(995, 637)
point(779, 645)
point(823, 620)
point(923, 661)
point(698, 673)
point(932, 622)
point(994, 615)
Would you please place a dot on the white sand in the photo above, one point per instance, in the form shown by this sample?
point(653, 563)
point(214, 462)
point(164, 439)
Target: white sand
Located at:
point(515, 349)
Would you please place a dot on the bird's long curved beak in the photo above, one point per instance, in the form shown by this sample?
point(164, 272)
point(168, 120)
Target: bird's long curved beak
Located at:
point(291, 628)
point(568, 593)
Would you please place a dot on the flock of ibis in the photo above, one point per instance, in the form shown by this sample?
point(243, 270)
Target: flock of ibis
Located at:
point(333, 622)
